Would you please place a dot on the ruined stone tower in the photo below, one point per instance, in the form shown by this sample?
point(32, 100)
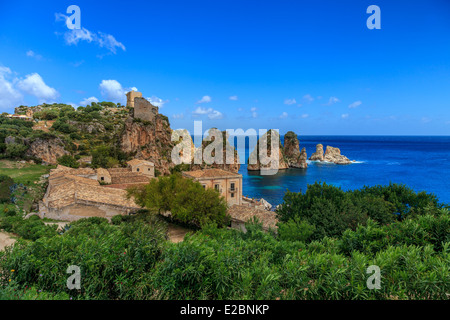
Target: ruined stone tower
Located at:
point(130, 97)
point(143, 109)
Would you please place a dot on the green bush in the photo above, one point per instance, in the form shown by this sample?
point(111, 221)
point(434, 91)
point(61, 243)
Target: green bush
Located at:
point(115, 261)
point(68, 161)
point(294, 230)
point(332, 210)
point(5, 188)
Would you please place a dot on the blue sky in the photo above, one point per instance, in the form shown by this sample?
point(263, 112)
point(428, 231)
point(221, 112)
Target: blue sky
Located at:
point(308, 66)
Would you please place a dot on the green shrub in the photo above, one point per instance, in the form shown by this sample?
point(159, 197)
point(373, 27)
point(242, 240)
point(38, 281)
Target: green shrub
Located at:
point(5, 188)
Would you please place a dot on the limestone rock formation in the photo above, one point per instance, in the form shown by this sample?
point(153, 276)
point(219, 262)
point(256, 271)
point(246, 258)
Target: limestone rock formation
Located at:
point(229, 159)
point(318, 155)
point(149, 141)
point(269, 161)
point(331, 155)
point(334, 155)
point(296, 159)
point(49, 150)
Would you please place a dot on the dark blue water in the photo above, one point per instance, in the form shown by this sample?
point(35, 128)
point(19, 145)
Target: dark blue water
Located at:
point(422, 163)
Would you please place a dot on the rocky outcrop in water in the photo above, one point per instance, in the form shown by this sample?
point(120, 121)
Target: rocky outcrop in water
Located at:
point(229, 160)
point(269, 161)
point(331, 155)
point(295, 158)
point(318, 155)
point(334, 155)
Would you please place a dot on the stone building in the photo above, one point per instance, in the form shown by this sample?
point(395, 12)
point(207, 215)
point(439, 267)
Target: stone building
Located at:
point(240, 214)
point(147, 168)
point(71, 197)
point(228, 184)
point(130, 97)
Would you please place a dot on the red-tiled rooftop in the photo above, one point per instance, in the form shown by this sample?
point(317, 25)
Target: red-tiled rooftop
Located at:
point(210, 173)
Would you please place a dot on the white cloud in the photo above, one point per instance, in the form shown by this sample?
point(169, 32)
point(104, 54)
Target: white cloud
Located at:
point(10, 97)
point(290, 101)
point(345, 116)
point(355, 104)
point(103, 40)
point(34, 85)
point(178, 116)
point(212, 114)
point(215, 115)
point(254, 113)
point(87, 101)
point(200, 111)
point(305, 115)
point(234, 98)
point(284, 115)
point(158, 102)
point(332, 101)
point(308, 98)
point(32, 54)
point(113, 91)
point(205, 99)
point(240, 109)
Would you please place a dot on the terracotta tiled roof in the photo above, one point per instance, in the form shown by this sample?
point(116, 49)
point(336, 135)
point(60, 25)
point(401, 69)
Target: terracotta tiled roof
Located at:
point(210, 173)
point(67, 189)
point(136, 162)
point(245, 213)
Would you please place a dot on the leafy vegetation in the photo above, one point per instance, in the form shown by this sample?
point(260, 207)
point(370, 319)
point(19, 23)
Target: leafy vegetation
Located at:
point(131, 259)
point(332, 211)
point(186, 200)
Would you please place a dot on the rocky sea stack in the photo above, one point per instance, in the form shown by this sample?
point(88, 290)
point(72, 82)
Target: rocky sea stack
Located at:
point(295, 157)
point(230, 158)
point(331, 155)
point(289, 155)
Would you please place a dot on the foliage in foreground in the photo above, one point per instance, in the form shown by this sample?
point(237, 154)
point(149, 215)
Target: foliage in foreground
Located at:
point(332, 210)
point(131, 259)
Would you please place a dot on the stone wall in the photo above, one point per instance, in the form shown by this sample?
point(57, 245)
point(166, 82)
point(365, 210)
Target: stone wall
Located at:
point(80, 210)
point(144, 110)
point(130, 98)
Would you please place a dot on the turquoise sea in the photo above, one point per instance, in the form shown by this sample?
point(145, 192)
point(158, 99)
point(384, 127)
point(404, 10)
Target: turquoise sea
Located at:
point(421, 162)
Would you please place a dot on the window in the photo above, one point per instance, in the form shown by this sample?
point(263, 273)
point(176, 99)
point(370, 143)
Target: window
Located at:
point(204, 186)
point(137, 169)
point(102, 178)
point(216, 187)
point(148, 169)
point(232, 195)
point(232, 186)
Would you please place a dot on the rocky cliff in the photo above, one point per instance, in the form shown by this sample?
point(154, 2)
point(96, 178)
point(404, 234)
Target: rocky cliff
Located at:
point(295, 158)
point(49, 150)
point(266, 163)
point(149, 141)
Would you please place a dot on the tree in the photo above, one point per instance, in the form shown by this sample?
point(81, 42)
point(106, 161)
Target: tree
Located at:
point(186, 199)
point(68, 161)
